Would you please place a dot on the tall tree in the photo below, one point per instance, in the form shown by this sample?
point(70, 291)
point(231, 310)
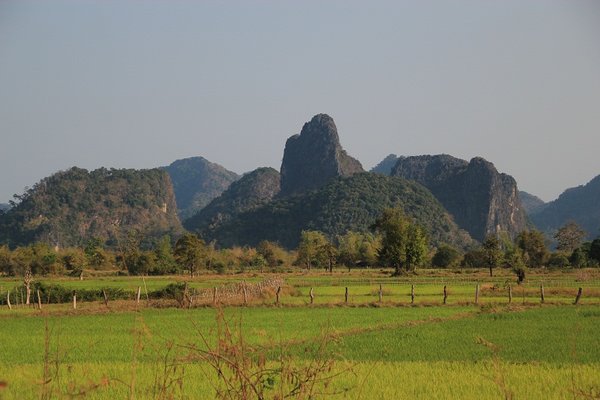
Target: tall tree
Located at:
point(310, 249)
point(492, 252)
point(569, 237)
point(403, 244)
point(417, 245)
point(533, 245)
point(190, 252)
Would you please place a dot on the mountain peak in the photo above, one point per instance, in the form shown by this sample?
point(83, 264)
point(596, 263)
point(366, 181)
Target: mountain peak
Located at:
point(314, 157)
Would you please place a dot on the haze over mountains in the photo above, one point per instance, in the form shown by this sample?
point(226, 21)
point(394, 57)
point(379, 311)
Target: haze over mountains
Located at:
point(320, 187)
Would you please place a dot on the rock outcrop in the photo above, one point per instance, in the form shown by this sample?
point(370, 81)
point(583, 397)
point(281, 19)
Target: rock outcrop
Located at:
point(197, 182)
point(252, 190)
point(481, 200)
point(578, 204)
point(315, 157)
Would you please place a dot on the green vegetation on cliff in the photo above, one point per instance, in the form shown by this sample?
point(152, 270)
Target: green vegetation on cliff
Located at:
point(253, 190)
point(196, 182)
point(71, 207)
point(345, 204)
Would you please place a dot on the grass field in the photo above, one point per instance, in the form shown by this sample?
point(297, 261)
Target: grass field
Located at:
point(382, 350)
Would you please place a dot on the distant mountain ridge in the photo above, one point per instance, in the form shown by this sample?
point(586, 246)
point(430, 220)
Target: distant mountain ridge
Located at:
point(580, 204)
point(196, 182)
point(481, 200)
point(251, 191)
point(532, 204)
point(386, 165)
point(70, 207)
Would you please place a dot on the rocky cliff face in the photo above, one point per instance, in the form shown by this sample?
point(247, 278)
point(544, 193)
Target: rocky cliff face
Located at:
point(197, 182)
point(252, 190)
point(314, 157)
point(579, 204)
point(481, 200)
point(71, 207)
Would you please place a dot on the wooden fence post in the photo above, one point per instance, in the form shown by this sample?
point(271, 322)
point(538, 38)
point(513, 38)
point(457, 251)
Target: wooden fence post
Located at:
point(214, 295)
point(380, 293)
point(445, 294)
point(312, 296)
point(277, 295)
point(579, 292)
point(245, 292)
point(105, 297)
point(412, 294)
point(477, 294)
point(542, 292)
point(39, 299)
point(509, 294)
point(346, 295)
point(137, 296)
point(8, 300)
point(74, 300)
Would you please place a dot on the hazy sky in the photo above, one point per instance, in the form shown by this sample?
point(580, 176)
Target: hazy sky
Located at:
point(142, 83)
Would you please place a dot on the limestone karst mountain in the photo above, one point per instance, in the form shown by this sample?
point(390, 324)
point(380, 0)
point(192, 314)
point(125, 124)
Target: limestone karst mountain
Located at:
point(481, 200)
point(580, 204)
point(314, 157)
point(251, 191)
point(196, 182)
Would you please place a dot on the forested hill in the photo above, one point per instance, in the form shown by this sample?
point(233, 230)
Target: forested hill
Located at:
point(4, 206)
point(532, 204)
point(251, 191)
point(580, 204)
point(73, 206)
point(196, 182)
point(345, 204)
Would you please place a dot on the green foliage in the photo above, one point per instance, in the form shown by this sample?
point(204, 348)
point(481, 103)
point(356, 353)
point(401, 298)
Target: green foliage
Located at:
point(474, 258)
point(569, 237)
point(558, 259)
point(196, 182)
point(533, 245)
point(191, 253)
point(492, 252)
point(165, 260)
point(358, 249)
point(75, 206)
point(346, 204)
point(251, 191)
point(446, 257)
point(404, 244)
point(311, 251)
point(273, 254)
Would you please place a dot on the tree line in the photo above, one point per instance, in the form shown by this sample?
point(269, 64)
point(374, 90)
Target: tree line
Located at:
point(395, 240)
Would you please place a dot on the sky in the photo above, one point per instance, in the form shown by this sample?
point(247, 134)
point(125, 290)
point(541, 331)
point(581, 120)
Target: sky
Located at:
point(139, 84)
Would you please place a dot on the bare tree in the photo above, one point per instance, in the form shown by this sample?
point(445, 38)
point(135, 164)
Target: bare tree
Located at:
point(27, 279)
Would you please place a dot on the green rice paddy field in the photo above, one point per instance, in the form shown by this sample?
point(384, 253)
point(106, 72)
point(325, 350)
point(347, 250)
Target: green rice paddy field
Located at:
point(387, 350)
